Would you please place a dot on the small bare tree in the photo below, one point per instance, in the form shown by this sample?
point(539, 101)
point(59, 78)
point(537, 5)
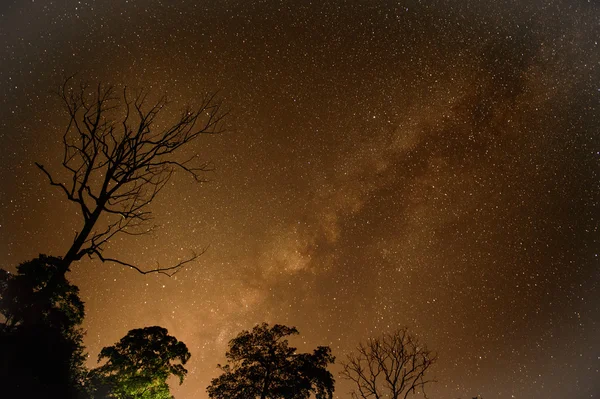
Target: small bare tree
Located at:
point(391, 367)
point(118, 159)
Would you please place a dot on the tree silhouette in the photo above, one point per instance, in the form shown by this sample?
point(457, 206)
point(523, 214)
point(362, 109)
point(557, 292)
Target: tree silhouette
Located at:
point(391, 366)
point(137, 367)
point(26, 298)
point(41, 341)
point(262, 365)
point(119, 153)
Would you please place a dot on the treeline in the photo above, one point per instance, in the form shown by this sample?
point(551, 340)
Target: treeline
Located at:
point(116, 160)
point(43, 356)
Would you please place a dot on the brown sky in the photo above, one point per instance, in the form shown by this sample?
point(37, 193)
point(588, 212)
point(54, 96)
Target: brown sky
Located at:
point(423, 164)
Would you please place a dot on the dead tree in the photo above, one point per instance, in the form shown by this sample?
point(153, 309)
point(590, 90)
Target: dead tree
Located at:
point(118, 155)
point(391, 366)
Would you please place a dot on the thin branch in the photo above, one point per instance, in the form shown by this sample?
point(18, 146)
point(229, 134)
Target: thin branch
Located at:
point(168, 271)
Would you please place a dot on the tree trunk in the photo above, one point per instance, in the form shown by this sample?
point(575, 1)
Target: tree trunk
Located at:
point(73, 252)
point(265, 388)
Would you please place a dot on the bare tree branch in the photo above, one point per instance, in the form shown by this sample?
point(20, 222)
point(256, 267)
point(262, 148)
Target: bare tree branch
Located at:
point(119, 158)
point(167, 271)
point(391, 366)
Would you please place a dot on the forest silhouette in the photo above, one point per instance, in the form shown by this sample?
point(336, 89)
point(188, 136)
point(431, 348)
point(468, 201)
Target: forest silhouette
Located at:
point(41, 341)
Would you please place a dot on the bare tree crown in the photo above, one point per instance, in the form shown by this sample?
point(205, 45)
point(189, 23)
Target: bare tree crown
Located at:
point(119, 159)
point(391, 366)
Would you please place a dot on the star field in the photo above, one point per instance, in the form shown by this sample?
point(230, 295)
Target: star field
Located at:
point(386, 163)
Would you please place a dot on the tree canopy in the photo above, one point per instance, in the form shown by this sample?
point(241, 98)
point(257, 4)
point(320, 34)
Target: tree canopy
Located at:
point(261, 364)
point(41, 340)
point(27, 298)
point(137, 367)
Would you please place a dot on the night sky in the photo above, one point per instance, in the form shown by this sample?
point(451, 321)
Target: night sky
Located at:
point(429, 164)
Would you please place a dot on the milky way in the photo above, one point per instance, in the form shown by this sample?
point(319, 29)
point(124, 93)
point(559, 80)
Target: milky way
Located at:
point(433, 165)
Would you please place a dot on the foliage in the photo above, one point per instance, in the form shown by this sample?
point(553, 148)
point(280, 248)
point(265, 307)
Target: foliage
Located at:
point(27, 297)
point(40, 338)
point(137, 367)
point(391, 366)
point(261, 364)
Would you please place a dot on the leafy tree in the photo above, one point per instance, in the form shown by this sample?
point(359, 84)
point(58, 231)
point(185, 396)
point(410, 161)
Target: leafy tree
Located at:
point(26, 298)
point(41, 341)
point(262, 365)
point(137, 367)
point(391, 366)
point(118, 154)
